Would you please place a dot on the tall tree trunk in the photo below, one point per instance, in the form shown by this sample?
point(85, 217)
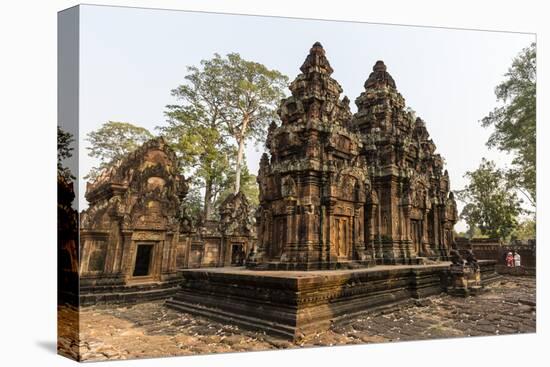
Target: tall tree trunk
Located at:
point(240, 154)
point(207, 200)
point(238, 167)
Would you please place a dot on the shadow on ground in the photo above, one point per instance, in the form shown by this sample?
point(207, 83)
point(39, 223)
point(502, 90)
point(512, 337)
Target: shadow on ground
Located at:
point(48, 345)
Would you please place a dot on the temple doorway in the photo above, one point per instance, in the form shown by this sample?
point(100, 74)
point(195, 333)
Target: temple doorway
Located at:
point(237, 254)
point(144, 256)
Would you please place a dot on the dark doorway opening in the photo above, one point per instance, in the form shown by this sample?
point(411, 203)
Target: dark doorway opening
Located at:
point(237, 255)
point(143, 260)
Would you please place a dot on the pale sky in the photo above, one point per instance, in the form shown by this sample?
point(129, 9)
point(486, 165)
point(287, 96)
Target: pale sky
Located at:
point(130, 60)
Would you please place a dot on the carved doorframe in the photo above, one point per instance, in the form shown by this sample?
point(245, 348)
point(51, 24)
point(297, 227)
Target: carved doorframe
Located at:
point(154, 265)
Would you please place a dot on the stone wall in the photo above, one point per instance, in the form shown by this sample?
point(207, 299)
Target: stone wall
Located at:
point(226, 242)
point(493, 249)
point(293, 304)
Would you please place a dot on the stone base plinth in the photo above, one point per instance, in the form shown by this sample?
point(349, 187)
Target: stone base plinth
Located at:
point(516, 270)
point(296, 303)
point(404, 261)
point(488, 271)
point(116, 290)
point(310, 266)
point(465, 280)
point(465, 291)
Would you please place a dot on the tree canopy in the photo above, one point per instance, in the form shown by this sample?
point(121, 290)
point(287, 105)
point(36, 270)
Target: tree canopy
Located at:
point(203, 152)
point(249, 187)
point(237, 96)
point(514, 121)
point(112, 141)
point(525, 230)
point(490, 204)
point(252, 93)
point(222, 103)
point(64, 151)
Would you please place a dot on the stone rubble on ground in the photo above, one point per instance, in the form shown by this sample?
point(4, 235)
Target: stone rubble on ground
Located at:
point(153, 330)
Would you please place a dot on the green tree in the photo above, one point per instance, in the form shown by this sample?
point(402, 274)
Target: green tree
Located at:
point(196, 132)
point(64, 151)
point(473, 232)
point(525, 230)
point(515, 121)
point(223, 103)
point(203, 153)
point(243, 94)
point(490, 204)
point(193, 202)
point(252, 93)
point(249, 187)
point(112, 141)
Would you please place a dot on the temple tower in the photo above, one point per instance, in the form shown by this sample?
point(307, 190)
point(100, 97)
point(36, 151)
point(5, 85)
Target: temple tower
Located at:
point(129, 233)
point(313, 183)
point(410, 211)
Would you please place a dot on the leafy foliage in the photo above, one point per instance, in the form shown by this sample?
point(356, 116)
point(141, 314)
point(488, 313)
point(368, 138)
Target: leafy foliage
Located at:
point(515, 121)
point(196, 132)
point(250, 93)
point(112, 141)
point(64, 151)
point(225, 100)
point(203, 154)
point(243, 94)
point(526, 230)
point(472, 232)
point(192, 204)
point(490, 204)
point(249, 187)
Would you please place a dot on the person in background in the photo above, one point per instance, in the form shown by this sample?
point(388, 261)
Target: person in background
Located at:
point(517, 259)
point(510, 259)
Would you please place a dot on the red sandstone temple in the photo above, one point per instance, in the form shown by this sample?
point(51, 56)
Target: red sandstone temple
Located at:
point(135, 235)
point(337, 191)
point(341, 190)
point(348, 194)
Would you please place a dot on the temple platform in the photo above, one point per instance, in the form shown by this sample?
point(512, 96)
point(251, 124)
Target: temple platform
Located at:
point(292, 304)
point(100, 290)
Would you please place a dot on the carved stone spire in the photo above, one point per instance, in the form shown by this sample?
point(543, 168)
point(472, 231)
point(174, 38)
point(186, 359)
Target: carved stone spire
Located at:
point(315, 95)
point(420, 129)
point(314, 160)
point(316, 61)
point(379, 77)
point(264, 162)
point(405, 157)
point(380, 99)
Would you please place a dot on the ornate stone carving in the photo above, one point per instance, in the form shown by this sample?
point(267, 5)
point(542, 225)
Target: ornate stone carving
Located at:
point(380, 161)
point(402, 158)
point(134, 204)
point(144, 189)
point(317, 220)
point(235, 216)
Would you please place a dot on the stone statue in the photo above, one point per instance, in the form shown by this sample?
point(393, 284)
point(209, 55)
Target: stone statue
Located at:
point(471, 259)
point(456, 259)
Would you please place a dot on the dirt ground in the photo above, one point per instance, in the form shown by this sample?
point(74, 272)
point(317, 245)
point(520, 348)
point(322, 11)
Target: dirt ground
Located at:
point(152, 330)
